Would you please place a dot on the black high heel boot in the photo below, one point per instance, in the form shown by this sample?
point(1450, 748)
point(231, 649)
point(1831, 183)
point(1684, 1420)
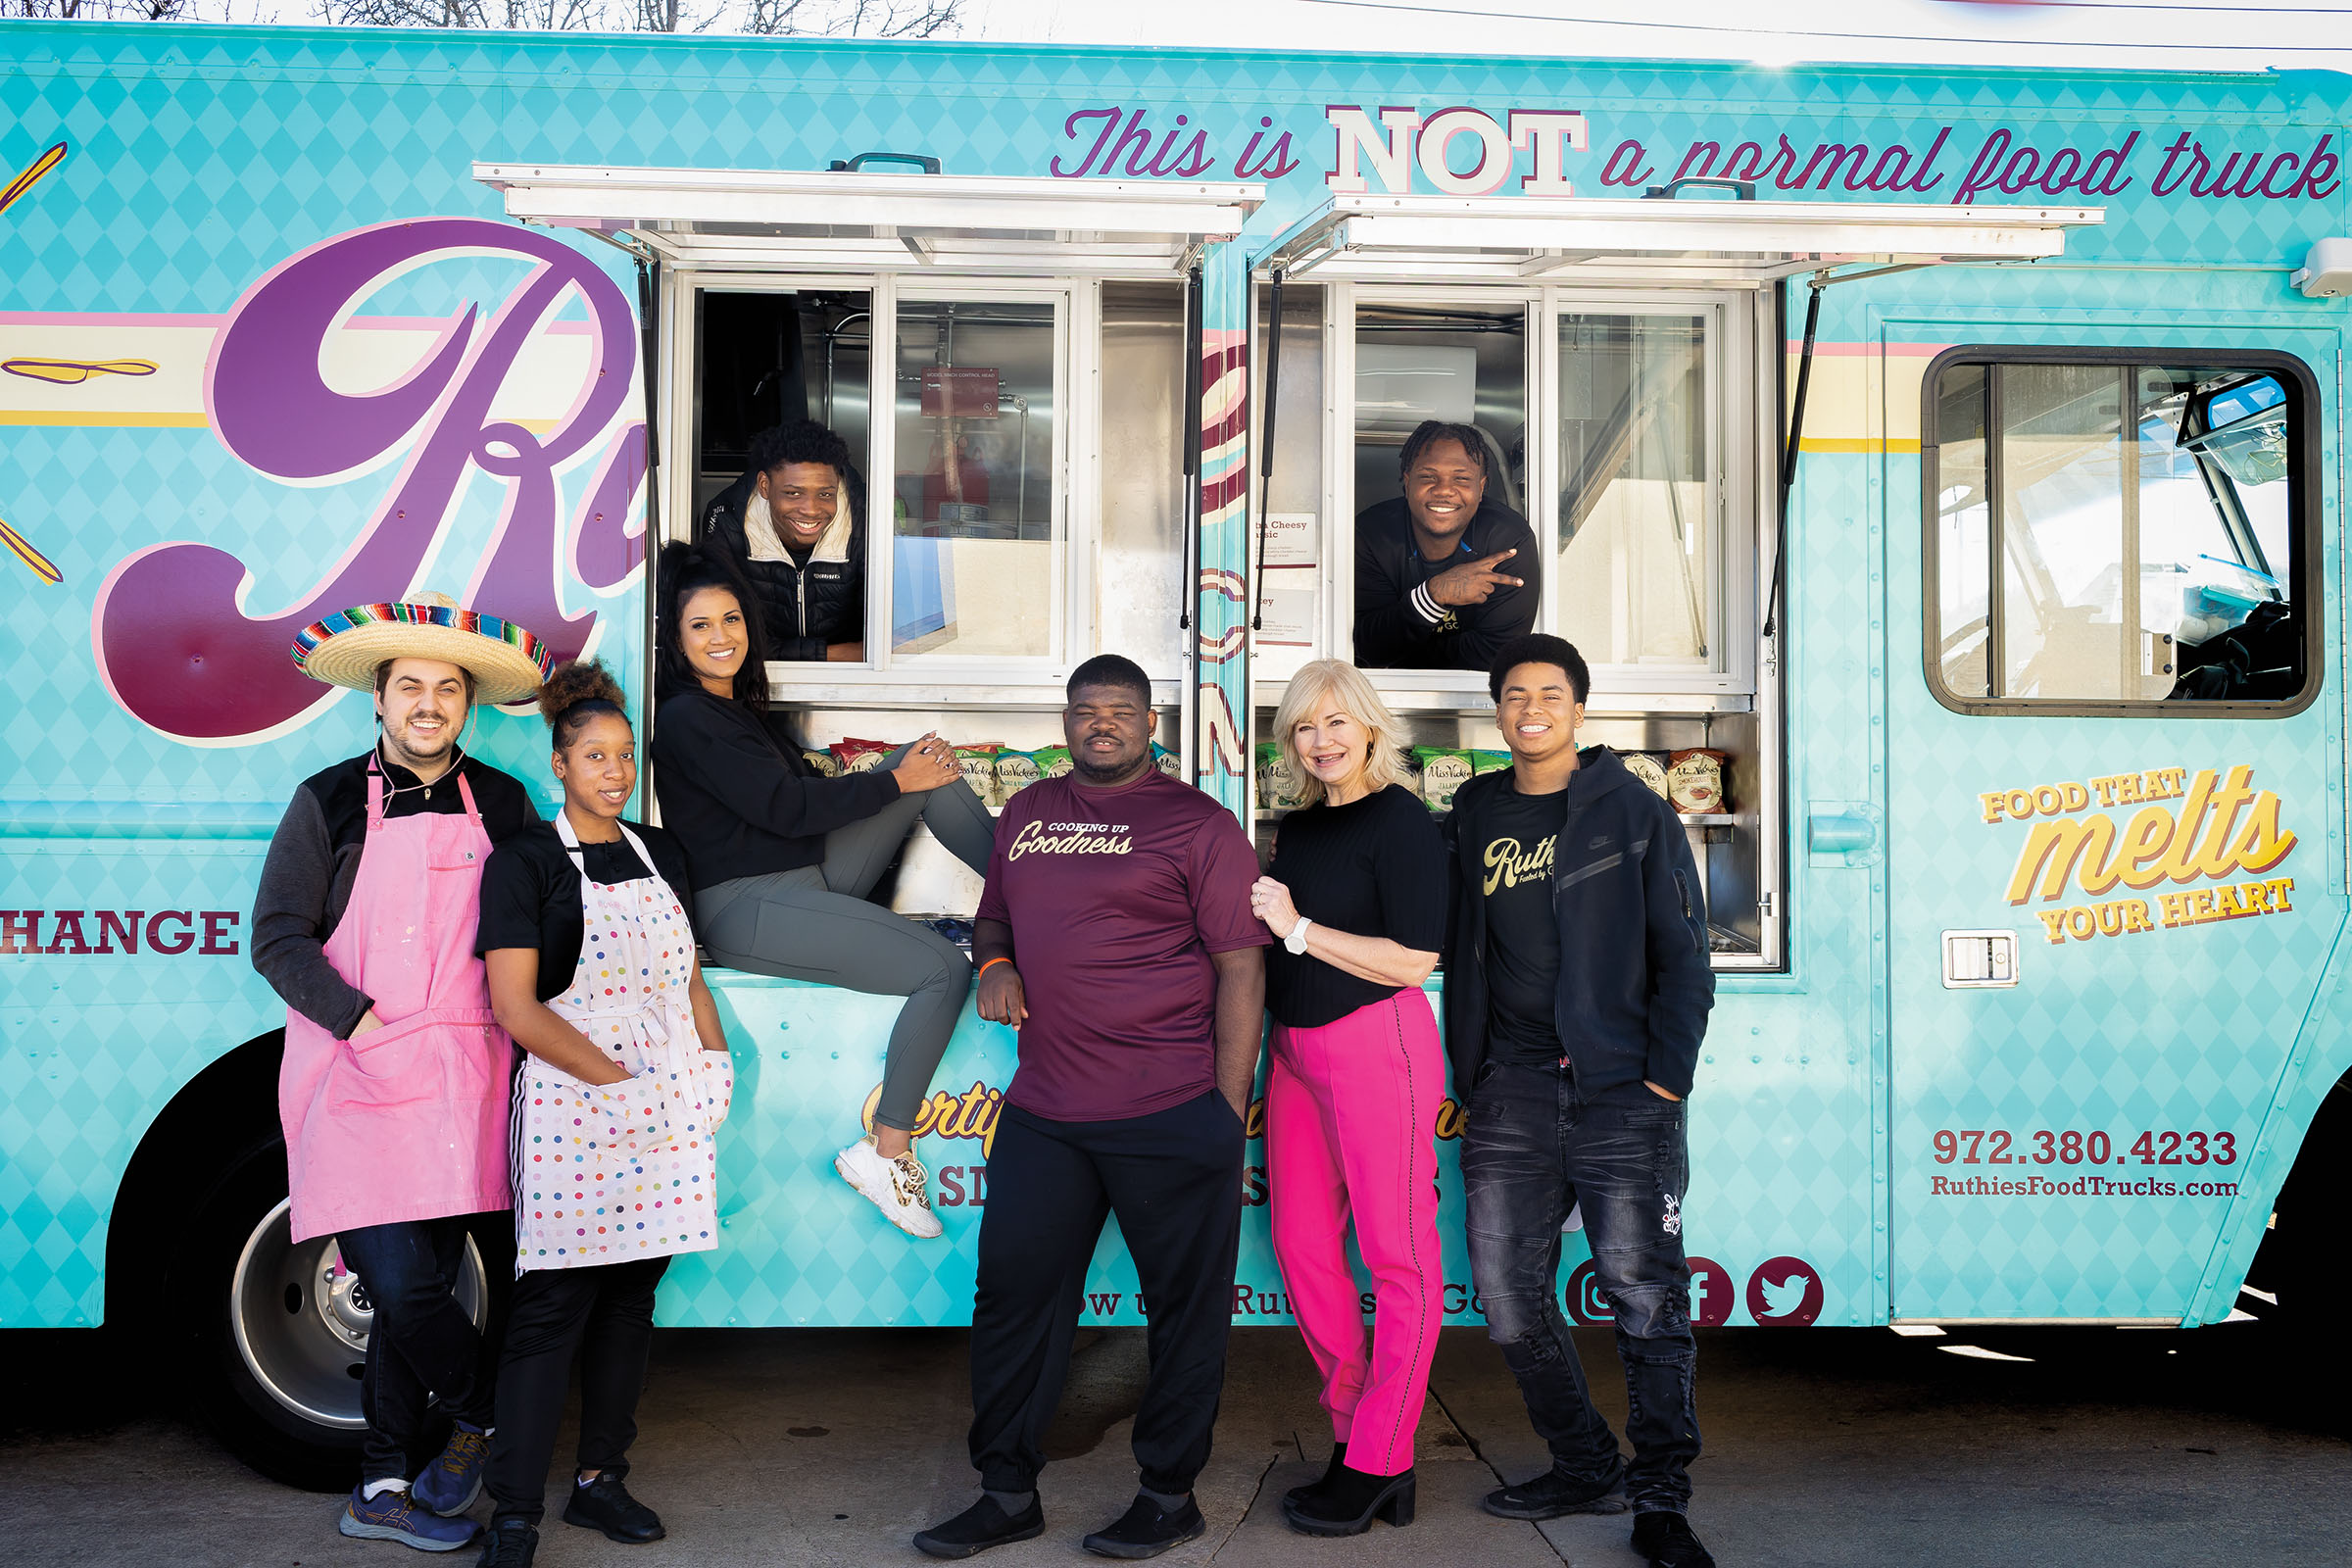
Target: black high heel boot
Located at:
point(1316, 1488)
point(1350, 1501)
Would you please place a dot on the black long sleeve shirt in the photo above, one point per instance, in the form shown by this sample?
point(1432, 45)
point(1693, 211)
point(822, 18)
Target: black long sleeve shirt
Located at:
point(1392, 632)
point(737, 793)
point(315, 857)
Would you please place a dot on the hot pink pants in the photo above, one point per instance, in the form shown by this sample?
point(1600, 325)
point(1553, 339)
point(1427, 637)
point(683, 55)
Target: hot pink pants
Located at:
point(1349, 1113)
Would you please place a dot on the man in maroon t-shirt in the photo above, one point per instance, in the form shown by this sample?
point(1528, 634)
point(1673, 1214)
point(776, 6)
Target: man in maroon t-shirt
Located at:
point(1116, 936)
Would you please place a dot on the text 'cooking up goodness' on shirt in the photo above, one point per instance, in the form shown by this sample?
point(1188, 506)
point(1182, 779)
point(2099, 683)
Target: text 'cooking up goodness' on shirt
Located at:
point(1116, 898)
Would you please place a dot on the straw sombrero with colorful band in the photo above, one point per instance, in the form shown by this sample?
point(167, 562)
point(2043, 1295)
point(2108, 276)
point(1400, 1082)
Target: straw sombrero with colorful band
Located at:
point(509, 664)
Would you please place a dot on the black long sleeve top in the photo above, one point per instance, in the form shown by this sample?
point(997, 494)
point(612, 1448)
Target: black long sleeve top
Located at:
point(1394, 632)
point(738, 795)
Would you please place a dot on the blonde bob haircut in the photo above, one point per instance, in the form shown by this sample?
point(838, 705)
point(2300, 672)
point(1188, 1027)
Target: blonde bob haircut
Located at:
point(1336, 683)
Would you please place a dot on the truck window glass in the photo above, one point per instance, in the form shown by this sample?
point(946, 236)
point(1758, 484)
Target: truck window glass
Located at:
point(2110, 533)
point(1637, 491)
point(978, 560)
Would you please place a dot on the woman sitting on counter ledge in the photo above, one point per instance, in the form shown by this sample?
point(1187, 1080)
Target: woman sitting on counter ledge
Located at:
point(782, 858)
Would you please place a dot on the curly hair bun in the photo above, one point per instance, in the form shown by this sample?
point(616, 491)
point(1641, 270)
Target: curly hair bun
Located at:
point(575, 682)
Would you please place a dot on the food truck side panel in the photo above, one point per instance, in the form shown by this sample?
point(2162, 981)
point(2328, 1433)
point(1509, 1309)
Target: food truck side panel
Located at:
point(201, 162)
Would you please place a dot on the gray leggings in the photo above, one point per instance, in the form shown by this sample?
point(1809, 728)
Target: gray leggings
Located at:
point(814, 923)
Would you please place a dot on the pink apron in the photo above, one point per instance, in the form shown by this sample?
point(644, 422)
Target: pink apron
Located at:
point(408, 1121)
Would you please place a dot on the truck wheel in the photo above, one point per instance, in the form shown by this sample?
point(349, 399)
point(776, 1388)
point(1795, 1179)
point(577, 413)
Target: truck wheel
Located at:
point(2302, 1269)
point(278, 1329)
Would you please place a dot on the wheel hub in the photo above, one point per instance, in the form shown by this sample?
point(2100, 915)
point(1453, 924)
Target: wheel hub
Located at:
point(342, 1300)
point(302, 1319)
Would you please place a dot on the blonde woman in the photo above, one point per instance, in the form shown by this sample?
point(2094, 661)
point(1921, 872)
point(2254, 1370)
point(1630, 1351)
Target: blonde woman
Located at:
point(1356, 894)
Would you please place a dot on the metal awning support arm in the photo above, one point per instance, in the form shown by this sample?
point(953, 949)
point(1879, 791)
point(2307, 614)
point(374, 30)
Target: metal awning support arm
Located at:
point(1265, 458)
point(1796, 430)
point(636, 247)
point(1193, 339)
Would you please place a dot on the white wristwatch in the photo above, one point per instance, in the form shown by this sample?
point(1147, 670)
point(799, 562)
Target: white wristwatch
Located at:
point(1295, 942)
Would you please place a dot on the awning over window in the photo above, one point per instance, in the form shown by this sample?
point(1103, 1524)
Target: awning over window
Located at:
point(1697, 240)
point(813, 221)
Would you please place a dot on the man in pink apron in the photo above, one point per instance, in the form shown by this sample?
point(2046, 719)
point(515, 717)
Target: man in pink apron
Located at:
point(393, 1089)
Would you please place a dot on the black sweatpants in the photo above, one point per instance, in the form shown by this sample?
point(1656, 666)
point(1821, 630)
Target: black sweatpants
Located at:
point(604, 1312)
point(1174, 1179)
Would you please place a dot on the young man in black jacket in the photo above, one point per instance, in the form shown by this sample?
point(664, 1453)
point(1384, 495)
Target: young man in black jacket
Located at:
point(1576, 989)
point(793, 525)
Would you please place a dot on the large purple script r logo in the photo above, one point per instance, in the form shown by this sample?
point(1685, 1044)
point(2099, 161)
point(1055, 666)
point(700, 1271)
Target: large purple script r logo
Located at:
point(174, 642)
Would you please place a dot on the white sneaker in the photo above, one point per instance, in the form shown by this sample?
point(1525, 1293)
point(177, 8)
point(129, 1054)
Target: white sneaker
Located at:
point(899, 1188)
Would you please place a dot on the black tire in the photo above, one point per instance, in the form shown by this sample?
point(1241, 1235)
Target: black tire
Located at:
point(274, 1353)
point(260, 1428)
point(2303, 1266)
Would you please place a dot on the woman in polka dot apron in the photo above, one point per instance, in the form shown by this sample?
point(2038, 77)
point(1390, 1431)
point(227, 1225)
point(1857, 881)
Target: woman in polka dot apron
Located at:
point(627, 1077)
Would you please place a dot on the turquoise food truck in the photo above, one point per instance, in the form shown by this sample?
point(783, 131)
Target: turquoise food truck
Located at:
point(1943, 472)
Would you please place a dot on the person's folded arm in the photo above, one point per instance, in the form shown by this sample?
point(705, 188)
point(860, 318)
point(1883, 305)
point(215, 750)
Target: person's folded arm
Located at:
point(289, 921)
point(1508, 612)
point(535, 1026)
point(735, 763)
point(1374, 958)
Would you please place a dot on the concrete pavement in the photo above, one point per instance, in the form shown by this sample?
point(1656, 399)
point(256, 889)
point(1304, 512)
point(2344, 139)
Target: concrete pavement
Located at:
point(823, 1447)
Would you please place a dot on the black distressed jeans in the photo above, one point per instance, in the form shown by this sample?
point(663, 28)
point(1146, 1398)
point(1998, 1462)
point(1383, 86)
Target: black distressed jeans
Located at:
point(1531, 1150)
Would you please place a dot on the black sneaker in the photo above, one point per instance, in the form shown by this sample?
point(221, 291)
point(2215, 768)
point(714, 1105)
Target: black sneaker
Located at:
point(605, 1504)
point(1146, 1530)
point(1553, 1495)
point(983, 1524)
point(510, 1543)
point(1665, 1539)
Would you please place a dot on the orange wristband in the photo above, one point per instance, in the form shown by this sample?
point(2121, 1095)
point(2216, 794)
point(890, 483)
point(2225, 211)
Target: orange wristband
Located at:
point(990, 964)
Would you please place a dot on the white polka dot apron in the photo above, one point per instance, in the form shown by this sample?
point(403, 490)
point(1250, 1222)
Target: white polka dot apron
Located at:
point(606, 1173)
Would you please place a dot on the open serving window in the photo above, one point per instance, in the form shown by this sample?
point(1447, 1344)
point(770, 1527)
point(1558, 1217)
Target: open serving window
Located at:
point(1004, 361)
point(1615, 362)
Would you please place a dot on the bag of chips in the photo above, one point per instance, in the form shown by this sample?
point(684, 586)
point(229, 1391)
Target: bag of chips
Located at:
point(1694, 783)
point(1444, 769)
point(822, 764)
point(1489, 763)
point(1016, 773)
point(860, 756)
point(1647, 766)
point(1278, 787)
point(1053, 761)
point(978, 765)
point(1166, 762)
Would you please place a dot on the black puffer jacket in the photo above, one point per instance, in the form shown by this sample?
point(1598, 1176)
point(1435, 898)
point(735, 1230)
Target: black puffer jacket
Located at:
point(801, 611)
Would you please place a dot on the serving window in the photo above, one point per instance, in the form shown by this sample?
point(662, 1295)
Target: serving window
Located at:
point(1624, 431)
point(1021, 505)
point(1628, 433)
point(2113, 532)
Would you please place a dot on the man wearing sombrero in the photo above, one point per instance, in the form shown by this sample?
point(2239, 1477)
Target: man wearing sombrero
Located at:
point(394, 1086)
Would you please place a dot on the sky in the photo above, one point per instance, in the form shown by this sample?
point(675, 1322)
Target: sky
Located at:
point(2173, 34)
